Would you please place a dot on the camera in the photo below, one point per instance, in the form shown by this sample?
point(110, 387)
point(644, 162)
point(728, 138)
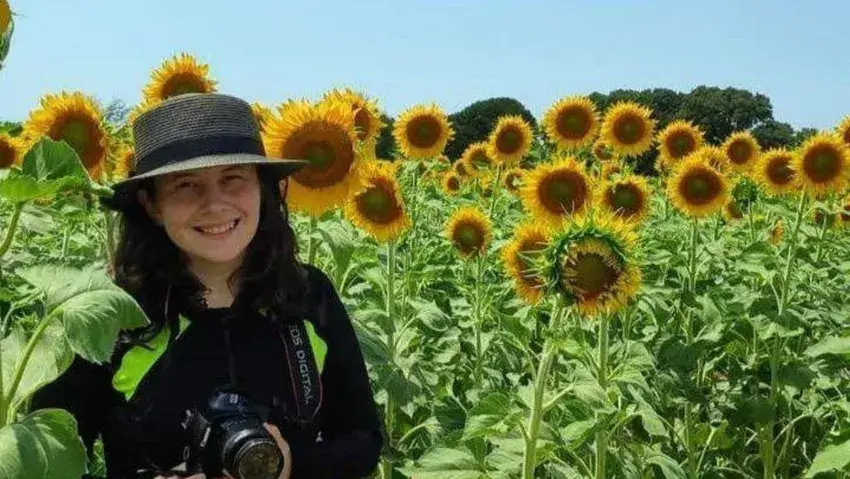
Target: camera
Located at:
point(229, 436)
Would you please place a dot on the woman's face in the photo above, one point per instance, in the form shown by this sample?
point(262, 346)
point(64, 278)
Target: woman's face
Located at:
point(211, 213)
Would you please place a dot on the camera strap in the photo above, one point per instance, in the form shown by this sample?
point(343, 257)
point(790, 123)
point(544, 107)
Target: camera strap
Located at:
point(304, 372)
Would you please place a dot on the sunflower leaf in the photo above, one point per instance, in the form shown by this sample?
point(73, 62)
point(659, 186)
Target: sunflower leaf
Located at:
point(52, 160)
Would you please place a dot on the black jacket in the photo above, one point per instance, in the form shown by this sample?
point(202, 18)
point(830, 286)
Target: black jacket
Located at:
point(146, 431)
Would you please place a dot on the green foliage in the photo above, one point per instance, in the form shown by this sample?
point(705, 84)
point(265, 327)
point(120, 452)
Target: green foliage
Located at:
point(475, 122)
point(386, 146)
point(44, 444)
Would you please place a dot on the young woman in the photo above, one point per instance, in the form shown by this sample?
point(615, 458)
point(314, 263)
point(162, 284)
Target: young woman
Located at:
point(207, 250)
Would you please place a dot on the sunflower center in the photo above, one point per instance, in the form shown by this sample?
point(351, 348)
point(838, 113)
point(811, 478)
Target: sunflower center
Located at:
point(563, 192)
point(423, 131)
point(460, 168)
point(629, 129)
point(362, 122)
point(573, 123)
point(733, 211)
point(681, 144)
point(453, 183)
point(328, 149)
point(590, 275)
point(7, 154)
point(779, 171)
point(511, 179)
point(509, 140)
point(83, 136)
point(699, 187)
point(601, 152)
point(468, 237)
point(183, 83)
point(740, 152)
point(76, 133)
point(625, 199)
point(378, 204)
point(822, 164)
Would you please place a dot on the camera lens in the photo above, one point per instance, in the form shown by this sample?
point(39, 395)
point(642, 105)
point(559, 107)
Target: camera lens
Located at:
point(258, 459)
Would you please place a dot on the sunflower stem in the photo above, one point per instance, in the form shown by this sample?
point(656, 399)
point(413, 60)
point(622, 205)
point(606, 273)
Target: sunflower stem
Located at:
point(752, 222)
point(821, 236)
point(311, 242)
point(693, 266)
point(550, 350)
point(10, 231)
point(478, 326)
point(387, 462)
point(602, 378)
point(110, 238)
point(495, 189)
point(775, 349)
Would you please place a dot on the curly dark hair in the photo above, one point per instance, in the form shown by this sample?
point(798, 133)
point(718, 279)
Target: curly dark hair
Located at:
point(152, 269)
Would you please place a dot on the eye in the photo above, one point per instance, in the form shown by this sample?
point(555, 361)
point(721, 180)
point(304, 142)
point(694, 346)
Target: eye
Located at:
point(184, 184)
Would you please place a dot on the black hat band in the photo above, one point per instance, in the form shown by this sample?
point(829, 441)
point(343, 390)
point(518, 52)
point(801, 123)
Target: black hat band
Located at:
point(190, 148)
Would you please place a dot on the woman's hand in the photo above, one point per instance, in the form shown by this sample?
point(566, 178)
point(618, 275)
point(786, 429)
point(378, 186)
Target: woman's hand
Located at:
point(281, 444)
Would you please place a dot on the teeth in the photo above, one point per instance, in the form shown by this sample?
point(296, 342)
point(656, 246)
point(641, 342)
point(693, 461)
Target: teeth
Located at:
point(214, 230)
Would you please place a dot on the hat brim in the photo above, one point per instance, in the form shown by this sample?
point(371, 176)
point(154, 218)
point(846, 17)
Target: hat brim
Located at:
point(125, 191)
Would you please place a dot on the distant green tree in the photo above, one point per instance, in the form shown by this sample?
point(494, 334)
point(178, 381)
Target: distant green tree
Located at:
point(802, 135)
point(720, 112)
point(475, 122)
point(386, 146)
point(774, 134)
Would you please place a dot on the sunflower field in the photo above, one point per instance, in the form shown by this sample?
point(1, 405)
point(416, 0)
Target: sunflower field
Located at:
point(532, 309)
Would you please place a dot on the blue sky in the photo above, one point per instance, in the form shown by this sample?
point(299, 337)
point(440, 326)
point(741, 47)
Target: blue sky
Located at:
point(452, 52)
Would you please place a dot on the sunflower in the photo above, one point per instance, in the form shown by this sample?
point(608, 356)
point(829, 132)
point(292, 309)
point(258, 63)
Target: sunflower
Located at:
point(324, 135)
point(823, 218)
point(678, 140)
point(75, 119)
point(571, 122)
point(461, 169)
point(696, 188)
point(5, 16)
point(590, 264)
point(777, 232)
point(513, 179)
point(844, 213)
point(10, 151)
point(822, 164)
point(529, 242)
point(469, 231)
point(626, 198)
point(773, 172)
point(602, 152)
point(367, 120)
point(375, 204)
point(628, 128)
point(741, 150)
point(176, 76)
point(731, 210)
point(554, 191)
point(610, 169)
point(843, 130)
point(510, 140)
point(476, 158)
point(124, 161)
point(422, 131)
point(262, 114)
point(451, 182)
point(715, 157)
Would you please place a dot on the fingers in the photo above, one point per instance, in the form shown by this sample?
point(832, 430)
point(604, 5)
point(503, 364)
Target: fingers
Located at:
point(284, 448)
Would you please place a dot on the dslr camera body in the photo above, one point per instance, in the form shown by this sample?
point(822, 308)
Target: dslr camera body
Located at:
point(229, 435)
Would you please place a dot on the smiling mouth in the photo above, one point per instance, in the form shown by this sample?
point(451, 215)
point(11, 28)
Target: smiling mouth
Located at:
point(216, 230)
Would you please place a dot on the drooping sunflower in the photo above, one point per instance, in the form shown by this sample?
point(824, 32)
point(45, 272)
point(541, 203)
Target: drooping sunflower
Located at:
point(678, 140)
point(590, 263)
point(325, 136)
point(822, 164)
point(476, 158)
point(602, 152)
point(843, 130)
point(731, 210)
point(773, 172)
point(451, 182)
point(555, 191)
point(697, 189)
point(5, 16)
point(469, 231)
point(262, 114)
point(367, 120)
point(375, 203)
point(461, 169)
point(513, 179)
point(528, 244)
point(571, 122)
point(742, 150)
point(510, 140)
point(628, 128)
point(180, 74)
point(423, 131)
point(626, 198)
point(76, 119)
point(10, 151)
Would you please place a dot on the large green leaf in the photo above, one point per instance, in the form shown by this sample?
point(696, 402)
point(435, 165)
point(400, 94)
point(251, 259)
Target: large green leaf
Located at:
point(44, 444)
point(19, 188)
point(668, 466)
point(445, 463)
point(53, 160)
point(831, 458)
point(92, 308)
point(831, 345)
point(50, 358)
